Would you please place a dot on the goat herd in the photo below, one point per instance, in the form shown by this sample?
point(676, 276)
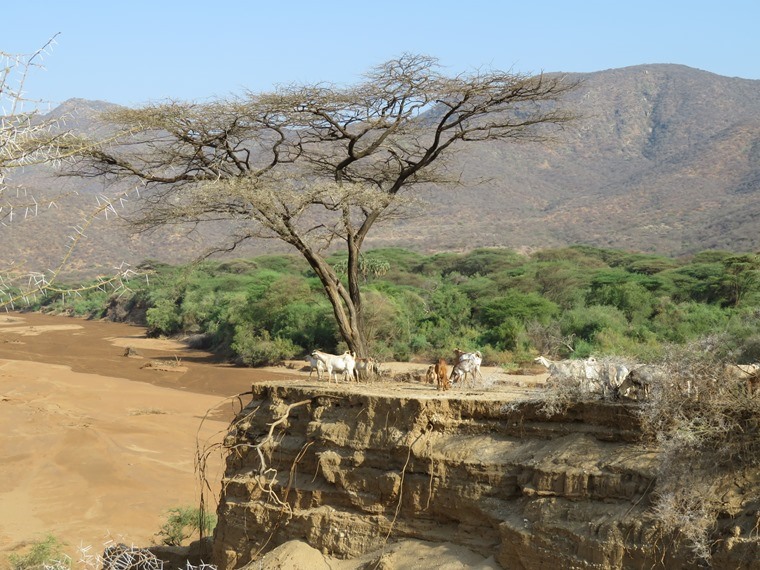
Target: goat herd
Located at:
point(353, 368)
point(609, 379)
point(616, 380)
point(606, 379)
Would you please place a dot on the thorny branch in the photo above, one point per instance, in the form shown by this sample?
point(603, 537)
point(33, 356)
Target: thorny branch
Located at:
point(28, 138)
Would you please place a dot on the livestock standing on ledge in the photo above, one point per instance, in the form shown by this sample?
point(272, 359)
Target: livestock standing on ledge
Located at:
point(591, 375)
point(466, 363)
point(315, 364)
point(441, 375)
point(366, 367)
point(345, 363)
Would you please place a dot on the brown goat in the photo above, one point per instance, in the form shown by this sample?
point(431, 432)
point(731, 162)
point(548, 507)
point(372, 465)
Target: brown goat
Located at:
point(442, 375)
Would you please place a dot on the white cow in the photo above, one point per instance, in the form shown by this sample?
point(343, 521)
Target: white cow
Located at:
point(467, 363)
point(345, 363)
point(315, 364)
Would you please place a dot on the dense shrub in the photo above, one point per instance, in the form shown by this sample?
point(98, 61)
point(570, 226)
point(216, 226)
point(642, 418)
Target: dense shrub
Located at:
point(185, 522)
point(164, 318)
point(579, 300)
point(260, 349)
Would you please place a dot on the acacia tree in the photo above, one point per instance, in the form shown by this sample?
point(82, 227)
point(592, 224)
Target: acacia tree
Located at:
point(315, 165)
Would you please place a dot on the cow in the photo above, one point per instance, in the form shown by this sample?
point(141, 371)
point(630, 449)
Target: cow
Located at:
point(345, 363)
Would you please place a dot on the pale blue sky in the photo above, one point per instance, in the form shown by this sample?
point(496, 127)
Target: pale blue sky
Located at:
point(140, 51)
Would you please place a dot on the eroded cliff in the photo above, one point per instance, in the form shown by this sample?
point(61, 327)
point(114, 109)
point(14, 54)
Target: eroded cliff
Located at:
point(350, 468)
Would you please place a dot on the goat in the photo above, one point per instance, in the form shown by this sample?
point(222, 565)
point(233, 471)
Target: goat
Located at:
point(588, 374)
point(315, 364)
point(747, 373)
point(641, 379)
point(345, 363)
point(430, 376)
point(606, 376)
point(441, 374)
point(467, 363)
point(562, 368)
point(366, 367)
point(567, 368)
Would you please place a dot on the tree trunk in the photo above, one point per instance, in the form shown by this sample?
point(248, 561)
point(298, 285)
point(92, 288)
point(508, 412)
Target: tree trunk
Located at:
point(354, 293)
point(343, 306)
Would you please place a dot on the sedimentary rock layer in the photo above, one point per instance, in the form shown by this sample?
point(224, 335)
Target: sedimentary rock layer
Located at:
point(348, 469)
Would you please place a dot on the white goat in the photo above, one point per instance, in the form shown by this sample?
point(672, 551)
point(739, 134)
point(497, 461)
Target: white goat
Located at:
point(467, 363)
point(367, 367)
point(345, 363)
point(604, 376)
point(315, 364)
point(586, 373)
point(562, 368)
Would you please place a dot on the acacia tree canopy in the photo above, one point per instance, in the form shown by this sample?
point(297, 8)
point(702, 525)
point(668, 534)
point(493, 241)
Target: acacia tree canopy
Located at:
point(317, 165)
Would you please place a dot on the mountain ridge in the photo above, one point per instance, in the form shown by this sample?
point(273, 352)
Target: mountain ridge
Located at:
point(663, 158)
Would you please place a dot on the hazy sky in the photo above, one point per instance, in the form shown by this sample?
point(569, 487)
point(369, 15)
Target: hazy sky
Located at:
point(140, 51)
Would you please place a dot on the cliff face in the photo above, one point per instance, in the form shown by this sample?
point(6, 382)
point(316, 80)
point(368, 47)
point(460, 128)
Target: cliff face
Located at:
point(349, 468)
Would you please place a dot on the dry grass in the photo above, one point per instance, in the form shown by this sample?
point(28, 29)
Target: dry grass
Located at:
point(706, 422)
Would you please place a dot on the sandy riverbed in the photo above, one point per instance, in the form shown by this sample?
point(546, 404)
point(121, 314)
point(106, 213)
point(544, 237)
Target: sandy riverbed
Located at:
point(97, 445)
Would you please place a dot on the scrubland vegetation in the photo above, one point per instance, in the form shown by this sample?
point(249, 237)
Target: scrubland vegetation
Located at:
point(569, 302)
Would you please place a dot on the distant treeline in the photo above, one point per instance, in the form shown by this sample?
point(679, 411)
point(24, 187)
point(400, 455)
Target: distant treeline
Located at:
point(568, 302)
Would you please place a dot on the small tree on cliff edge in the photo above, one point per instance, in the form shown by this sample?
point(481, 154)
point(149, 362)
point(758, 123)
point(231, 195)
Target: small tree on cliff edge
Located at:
point(315, 165)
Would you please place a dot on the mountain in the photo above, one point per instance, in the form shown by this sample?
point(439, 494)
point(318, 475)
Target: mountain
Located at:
point(663, 158)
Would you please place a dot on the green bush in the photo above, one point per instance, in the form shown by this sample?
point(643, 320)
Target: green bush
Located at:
point(47, 551)
point(585, 322)
point(260, 349)
point(184, 522)
point(164, 318)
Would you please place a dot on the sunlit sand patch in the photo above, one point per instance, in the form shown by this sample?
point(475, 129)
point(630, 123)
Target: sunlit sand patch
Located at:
point(37, 329)
point(146, 412)
point(139, 449)
point(146, 343)
point(11, 320)
point(165, 366)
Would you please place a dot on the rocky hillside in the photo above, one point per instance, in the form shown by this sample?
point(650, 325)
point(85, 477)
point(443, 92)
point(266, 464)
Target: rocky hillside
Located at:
point(662, 158)
point(351, 469)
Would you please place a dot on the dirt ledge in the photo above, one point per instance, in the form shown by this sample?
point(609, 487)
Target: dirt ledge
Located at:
point(351, 468)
